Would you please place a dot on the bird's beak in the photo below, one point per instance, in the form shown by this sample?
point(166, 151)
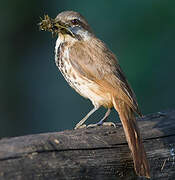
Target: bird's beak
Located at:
point(54, 26)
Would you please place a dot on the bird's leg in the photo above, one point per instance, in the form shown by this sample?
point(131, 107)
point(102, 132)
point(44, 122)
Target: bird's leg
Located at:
point(80, 124)
point(102, 121)
point(105, 117)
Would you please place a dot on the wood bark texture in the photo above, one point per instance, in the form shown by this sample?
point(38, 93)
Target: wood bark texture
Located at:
point(99, 153)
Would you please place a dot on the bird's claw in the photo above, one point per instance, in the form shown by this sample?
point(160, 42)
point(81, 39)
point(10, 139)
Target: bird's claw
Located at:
point(80, 126)
point(101, 124)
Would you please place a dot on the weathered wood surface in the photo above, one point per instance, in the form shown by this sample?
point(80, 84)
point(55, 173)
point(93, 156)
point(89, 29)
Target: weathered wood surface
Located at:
point(97, 153)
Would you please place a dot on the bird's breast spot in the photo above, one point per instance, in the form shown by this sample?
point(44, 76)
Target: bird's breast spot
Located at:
point(83, 86)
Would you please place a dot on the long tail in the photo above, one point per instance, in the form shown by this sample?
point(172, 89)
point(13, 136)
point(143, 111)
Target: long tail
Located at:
point(133, 137)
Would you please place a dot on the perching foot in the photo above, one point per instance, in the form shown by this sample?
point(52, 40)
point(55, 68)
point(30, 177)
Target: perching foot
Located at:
point(101, 124)
point(80, 126)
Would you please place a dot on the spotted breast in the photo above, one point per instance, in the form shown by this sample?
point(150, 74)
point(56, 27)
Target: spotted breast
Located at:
point(84, 86)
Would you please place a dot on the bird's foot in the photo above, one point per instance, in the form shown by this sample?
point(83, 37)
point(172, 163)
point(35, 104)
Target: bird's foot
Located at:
point(80, 126)
point(101, 124)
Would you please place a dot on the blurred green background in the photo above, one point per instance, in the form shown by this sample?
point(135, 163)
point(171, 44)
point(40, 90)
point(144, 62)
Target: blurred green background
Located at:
point(35, 98)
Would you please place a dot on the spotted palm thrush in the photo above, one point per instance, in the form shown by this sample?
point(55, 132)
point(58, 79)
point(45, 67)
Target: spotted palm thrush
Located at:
point(94, 72)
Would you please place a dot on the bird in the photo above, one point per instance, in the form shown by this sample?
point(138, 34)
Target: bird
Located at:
point(93, 71)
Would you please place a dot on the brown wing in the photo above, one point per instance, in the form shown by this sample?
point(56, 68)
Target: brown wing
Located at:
point(95, 61)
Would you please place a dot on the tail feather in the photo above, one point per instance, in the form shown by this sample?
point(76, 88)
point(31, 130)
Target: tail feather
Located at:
point(133, 137)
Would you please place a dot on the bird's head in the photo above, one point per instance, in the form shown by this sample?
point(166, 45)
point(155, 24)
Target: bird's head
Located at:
point(67, 23)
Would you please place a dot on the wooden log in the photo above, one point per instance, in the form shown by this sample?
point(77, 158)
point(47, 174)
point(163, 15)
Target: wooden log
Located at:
point(99, 153)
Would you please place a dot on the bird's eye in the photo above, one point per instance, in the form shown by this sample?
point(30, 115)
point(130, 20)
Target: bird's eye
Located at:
point(75, 21)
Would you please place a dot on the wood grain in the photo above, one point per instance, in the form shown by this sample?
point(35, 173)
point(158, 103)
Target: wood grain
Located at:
point(99, 153)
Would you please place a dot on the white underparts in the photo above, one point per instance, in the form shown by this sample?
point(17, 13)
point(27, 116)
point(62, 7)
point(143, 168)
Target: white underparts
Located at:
point(82, 85)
